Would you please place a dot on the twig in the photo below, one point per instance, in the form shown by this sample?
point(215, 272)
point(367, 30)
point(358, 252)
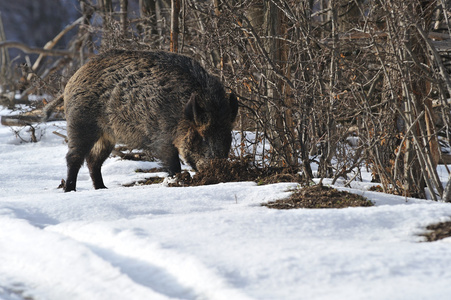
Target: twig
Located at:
point(27, 49)
point(52, 43)
point(61, 135)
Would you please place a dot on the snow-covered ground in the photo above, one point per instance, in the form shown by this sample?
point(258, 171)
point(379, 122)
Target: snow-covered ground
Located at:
point(207, 242)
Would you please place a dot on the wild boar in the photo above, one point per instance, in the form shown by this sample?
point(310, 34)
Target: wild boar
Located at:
point(161, 102)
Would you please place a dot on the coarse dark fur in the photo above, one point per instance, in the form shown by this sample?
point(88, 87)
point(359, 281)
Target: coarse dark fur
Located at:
point(158, 101)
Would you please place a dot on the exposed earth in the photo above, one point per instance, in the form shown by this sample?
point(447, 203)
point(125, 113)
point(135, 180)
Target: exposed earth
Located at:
point(438, 231)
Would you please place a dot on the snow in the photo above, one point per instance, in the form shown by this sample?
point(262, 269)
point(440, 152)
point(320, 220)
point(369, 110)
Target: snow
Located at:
point(207, 242)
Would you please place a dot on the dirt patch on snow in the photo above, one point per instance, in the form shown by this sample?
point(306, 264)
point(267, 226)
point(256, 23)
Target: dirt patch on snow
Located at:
point(319, 196)
point(438, 231)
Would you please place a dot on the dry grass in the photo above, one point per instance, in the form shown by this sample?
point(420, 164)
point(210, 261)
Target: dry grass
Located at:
point(319, 196)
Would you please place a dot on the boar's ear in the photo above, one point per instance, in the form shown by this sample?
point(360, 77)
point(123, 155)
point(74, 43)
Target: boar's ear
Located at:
point(233, 105)
point(193, 111)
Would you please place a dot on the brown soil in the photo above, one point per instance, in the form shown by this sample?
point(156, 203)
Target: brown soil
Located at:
point(222, 170)
point(438, 231)
point(319, 196)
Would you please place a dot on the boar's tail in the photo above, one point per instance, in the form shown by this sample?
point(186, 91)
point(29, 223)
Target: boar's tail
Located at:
point(48, 109)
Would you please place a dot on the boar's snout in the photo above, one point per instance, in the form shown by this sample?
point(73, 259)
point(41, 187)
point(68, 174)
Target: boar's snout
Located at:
point(206, 134)
point(216, 146)
point(198, 149)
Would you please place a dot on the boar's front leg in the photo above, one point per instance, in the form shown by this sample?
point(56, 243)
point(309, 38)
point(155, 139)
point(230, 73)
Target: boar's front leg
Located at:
point(171, 161)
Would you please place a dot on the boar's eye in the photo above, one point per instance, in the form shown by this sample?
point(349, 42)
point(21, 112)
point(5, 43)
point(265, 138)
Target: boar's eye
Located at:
point(199, 140)
point(204, 142)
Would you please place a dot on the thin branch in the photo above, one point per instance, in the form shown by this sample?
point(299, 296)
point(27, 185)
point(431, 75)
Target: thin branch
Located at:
point(50, 44)
point(27, 49)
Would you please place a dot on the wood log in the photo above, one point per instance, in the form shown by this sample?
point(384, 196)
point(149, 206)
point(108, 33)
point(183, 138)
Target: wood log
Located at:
point(128, 156)
point(20, 120)
point(27, 119)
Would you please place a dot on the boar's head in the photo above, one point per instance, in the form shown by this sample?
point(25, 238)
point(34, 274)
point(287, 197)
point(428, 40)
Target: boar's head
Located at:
point(205, 131)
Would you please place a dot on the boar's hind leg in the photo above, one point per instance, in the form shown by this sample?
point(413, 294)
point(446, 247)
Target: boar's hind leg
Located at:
point(78, 149)
point(98, 154)
point(84, 144)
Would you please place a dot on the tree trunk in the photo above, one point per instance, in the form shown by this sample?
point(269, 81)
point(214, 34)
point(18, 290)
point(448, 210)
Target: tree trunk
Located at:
point(175, 12)
point(280, 116)
point(123, 17)
point(106, 10)
point(4, 61)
